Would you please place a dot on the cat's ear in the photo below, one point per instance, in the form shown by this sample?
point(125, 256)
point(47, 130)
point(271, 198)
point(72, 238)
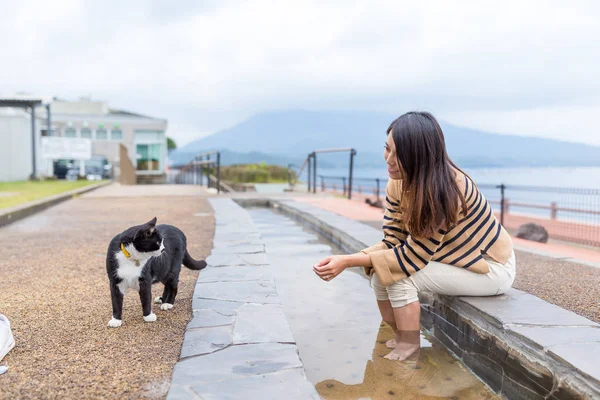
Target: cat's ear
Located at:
point(148, 232)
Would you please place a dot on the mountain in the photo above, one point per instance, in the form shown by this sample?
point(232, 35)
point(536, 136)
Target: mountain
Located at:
point(278, 137)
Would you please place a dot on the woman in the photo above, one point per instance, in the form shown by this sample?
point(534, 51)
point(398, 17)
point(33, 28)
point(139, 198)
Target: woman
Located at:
point(440, 233)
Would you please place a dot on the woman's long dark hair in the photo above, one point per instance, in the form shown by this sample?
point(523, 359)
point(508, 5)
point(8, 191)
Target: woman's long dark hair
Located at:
point(429, 185)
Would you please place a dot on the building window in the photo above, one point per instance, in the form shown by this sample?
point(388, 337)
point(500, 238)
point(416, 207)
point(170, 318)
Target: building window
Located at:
point(86, 133)
point(101, 134)
point(116, 134)
point(148, 157)
point(149, 136)
point(70, 132)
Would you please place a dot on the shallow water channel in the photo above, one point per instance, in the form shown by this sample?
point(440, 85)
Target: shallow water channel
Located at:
point(339, 332)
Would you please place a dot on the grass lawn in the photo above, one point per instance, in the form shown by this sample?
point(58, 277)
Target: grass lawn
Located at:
point(15, 193)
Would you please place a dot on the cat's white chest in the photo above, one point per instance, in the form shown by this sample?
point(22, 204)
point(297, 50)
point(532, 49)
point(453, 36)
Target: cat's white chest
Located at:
point(129, 272)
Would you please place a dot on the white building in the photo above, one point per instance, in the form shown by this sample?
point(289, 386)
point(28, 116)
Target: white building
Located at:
point(143, 136)
point(16, 136)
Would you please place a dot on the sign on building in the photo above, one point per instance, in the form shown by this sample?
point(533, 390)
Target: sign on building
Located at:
point(67, 148)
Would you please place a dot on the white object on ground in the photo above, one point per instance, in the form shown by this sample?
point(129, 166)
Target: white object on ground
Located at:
point(3, 369)
point(7, 342)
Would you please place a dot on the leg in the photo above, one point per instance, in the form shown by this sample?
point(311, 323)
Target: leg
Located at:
point(146, 299)
point(452, 281)
point(169, 295)
point(385, 307)
point(407, 314)
point(161, 299)
point(117, 305)
point(408, 336)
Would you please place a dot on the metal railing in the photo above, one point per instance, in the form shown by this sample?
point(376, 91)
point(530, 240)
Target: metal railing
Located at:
point(311, 163)
point(567, 214)
point(200, 168)
point(361, 186)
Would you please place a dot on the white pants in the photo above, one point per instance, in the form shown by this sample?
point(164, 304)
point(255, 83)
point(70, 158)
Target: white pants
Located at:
point(449, 280)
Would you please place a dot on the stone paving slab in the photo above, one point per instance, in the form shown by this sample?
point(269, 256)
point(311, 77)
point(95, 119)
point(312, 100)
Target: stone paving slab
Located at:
point(239, 344)
point(583, 356)
point(206, 340)
point(210, 317)
point(261, 292)
point(290, 384)
point(516, 307)
point(549, 336)
point(236, 274)
point(221, 260)
point(241, 249)
point(261, 323)
point(224, 307)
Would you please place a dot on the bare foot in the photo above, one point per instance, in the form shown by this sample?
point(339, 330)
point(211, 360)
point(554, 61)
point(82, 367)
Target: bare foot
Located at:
point(402, 351)
point(391, 344)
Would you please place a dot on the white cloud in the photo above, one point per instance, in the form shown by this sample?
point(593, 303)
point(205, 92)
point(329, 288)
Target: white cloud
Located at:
point(512, 66)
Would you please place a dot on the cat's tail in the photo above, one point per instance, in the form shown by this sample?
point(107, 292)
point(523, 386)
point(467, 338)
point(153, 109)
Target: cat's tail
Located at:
point(189, 262)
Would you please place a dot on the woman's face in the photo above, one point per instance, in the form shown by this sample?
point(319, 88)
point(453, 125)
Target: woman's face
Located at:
point(391, 159)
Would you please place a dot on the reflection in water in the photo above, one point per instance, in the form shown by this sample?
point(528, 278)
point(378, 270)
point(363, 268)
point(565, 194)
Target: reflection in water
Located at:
point(435, 374)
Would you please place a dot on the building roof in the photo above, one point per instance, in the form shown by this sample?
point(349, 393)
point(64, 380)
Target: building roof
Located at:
point(20, 101)
point(123, 113)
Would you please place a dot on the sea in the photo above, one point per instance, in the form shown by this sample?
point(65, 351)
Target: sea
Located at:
point(560, 177)
point(574, 192)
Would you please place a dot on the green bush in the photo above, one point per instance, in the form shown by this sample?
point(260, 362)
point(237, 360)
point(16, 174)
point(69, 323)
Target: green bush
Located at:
point(255, 173)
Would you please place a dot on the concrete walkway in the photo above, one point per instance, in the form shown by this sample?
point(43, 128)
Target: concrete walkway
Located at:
point(239, 344)
point(118, 190)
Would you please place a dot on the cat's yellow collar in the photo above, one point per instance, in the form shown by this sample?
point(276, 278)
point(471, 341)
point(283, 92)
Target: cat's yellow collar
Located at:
point(124, 250)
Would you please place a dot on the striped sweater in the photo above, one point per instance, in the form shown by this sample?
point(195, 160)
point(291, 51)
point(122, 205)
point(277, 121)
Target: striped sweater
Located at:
point(478, 233)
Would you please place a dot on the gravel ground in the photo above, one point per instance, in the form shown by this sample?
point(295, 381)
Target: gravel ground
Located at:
point(572, 286)
point(54, 289)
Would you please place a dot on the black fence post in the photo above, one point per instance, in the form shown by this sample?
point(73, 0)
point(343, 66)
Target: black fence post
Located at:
point(502, 204)
point(218, 172)
point(352, 154)
point(314, 172)
point(377, 180)
point(344, 184)
point(309, 170)
point(208, 171)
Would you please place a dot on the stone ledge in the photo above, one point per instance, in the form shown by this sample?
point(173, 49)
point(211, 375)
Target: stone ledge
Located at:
point(520, 345)
point(238, 344)
point(13, 214)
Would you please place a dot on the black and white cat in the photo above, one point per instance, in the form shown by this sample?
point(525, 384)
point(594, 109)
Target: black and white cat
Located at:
point(143, 255)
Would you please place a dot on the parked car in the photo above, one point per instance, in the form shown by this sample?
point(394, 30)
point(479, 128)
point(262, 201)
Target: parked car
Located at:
point(61, 167)
point(96, 168)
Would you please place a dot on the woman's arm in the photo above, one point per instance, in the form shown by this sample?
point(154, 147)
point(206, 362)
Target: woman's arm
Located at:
point(330, 267)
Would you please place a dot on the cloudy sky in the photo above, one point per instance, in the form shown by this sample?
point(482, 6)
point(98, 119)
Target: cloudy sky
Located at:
point(518, 67)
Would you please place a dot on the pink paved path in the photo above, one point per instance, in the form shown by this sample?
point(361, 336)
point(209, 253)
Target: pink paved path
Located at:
point(360, 211)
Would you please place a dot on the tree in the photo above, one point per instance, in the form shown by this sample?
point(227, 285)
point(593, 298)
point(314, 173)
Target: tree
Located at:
point(171, 145)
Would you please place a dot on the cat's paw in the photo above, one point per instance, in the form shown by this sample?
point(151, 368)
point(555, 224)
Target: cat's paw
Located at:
point(114, 323)
point(150, 317)
point(158, 300)
point(166, 306)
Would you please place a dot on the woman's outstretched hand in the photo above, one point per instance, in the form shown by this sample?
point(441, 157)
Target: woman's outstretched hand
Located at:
point(330, 267)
